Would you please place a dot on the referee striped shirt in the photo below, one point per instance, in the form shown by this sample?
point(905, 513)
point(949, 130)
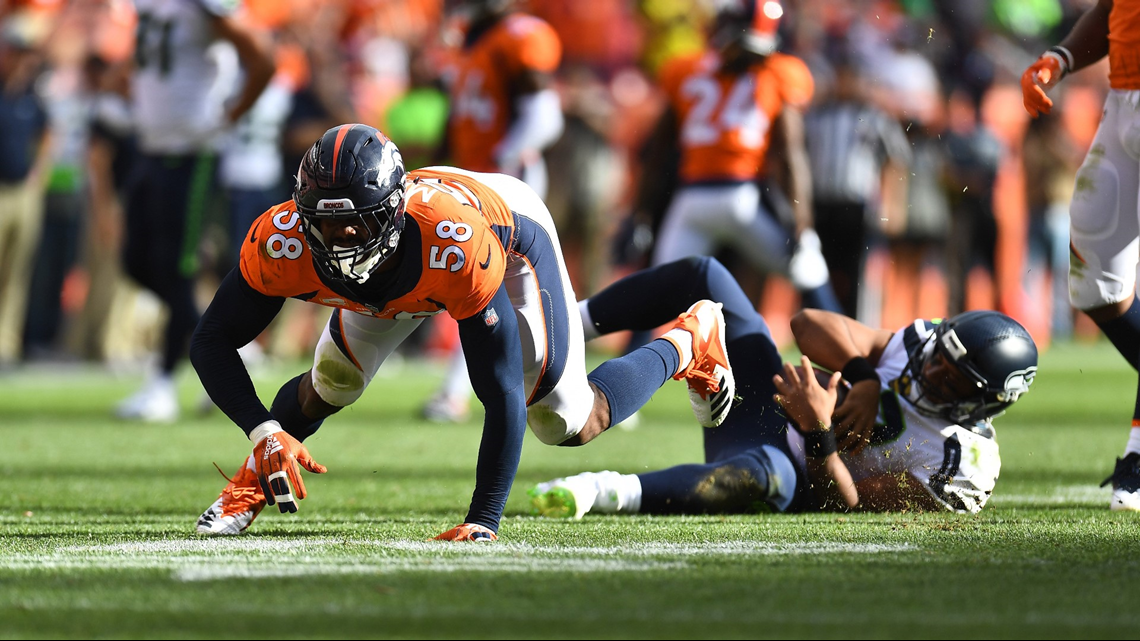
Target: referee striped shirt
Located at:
point(848, 143)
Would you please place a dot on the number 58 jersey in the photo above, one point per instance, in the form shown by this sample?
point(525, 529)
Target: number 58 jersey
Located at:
point(456, 239)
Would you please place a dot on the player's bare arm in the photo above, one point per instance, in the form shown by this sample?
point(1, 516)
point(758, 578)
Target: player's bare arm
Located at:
point(895, 493)
point(789, 147)
point(845, 345)
point(256, 58)
point(810, 406)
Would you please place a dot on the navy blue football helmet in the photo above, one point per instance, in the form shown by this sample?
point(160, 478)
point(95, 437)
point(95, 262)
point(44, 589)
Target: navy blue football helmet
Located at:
point(353, 172)
point(989, 348)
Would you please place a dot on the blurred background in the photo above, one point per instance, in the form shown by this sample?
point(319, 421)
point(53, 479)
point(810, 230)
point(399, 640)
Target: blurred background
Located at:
point(971, 212)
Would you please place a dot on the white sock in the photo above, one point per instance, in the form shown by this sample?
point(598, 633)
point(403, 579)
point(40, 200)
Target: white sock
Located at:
point(457, 382)
point(589, 332)
point(683, 340)
point(1133, 441)
point(617, 493)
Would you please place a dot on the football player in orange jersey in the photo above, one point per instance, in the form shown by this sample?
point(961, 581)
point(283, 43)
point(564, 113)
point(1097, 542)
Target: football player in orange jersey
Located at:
point(504, 112)
point(727, 106)
point(387, 249)
point(1105, 211)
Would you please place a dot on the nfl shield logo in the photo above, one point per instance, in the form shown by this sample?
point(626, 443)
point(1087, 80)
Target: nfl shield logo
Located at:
point(490, 318)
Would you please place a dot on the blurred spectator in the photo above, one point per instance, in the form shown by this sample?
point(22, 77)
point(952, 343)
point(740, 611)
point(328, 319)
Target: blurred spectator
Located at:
point(1051, 159)
point(418, 119)
point(589, 175)
point(69, 97)
point(859, 158)
point(973, 154)
point(25, 159)
point(177, 94)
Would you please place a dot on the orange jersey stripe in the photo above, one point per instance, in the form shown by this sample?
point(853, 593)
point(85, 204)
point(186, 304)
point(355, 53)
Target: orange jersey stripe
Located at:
point(336, 148)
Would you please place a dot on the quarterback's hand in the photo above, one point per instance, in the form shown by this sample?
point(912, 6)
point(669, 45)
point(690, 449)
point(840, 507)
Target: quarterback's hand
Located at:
point(276, 457)
point(855, 418)
point(468, 532)
point(1041, 76)
point(806, 402)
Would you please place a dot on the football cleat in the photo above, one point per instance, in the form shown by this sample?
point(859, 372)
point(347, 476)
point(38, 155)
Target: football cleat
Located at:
point(565, 498)
point(1125, 481)
point(157, 402)
point(709, 376)
point(445, 409)
point(237, 506)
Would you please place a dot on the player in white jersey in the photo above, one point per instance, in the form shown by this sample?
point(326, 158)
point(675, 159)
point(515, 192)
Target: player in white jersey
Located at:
point(914, 430)
point(178, 92)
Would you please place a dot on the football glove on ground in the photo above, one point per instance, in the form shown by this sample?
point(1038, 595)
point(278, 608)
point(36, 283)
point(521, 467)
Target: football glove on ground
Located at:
point(468, 532)
point(276, 456)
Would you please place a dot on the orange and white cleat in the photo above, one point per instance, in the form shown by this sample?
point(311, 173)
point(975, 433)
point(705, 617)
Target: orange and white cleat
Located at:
point(236, 508)
point(711, 384)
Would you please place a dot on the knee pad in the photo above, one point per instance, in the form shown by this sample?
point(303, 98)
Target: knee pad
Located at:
point(335, 378)
point(1103, 249)
point(551, 426)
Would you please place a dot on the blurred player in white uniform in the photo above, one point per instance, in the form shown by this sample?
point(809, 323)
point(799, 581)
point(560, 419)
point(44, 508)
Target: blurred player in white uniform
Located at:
point(914, 430)
point(180, 113)
point(1104, 227)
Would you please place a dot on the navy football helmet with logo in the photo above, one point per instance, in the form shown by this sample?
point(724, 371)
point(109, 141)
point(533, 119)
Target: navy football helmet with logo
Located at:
point(356, 174)
point(992, 350)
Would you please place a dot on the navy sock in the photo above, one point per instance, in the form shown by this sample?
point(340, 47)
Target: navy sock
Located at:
point(631, 380)
point(748, 482)
point(1124, 332)
point(287, 411)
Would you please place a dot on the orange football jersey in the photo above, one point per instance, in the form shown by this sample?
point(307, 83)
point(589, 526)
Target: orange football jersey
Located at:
point(481, 85)
point(464, 228)
point(724, 119)
point(1124, 45)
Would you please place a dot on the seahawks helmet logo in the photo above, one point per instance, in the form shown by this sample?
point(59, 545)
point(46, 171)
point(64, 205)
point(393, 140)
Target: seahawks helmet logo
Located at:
point(1016, 384)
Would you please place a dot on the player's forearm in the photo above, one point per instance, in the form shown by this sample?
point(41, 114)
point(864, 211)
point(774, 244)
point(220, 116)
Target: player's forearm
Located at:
point(232, 320)
point(499, 452)
point(831, 482)
point(1088, 41)
point(830, 340)
point(798, 167)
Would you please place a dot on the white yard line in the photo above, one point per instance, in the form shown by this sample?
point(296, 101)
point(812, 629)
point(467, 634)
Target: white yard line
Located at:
point(216, 559)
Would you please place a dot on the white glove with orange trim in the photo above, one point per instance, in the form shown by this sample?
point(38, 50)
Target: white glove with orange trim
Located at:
point(468, 532)
point(276, 456)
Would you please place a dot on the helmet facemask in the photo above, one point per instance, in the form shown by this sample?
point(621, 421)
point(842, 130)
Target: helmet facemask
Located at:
point(355, 263)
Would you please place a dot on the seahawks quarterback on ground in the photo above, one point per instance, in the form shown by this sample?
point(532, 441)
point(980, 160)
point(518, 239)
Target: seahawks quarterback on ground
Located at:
point(914, 430)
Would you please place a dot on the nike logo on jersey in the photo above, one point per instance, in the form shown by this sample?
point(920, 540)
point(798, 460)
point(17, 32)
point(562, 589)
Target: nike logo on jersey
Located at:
point(487, 263)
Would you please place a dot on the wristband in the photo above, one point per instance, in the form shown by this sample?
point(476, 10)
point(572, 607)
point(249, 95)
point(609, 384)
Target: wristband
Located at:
point(1065, 56)
point(820, 444)
point(859, 369)
point(263, 430)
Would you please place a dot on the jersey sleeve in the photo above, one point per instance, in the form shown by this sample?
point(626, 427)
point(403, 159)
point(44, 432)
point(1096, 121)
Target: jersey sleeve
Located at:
point(796, 84)
point(968, 473)
point(671, 76)
point(274, 255)
point(534, 43)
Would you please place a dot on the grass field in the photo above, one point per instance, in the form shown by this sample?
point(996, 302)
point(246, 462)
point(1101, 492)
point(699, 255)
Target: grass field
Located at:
point(96, 522)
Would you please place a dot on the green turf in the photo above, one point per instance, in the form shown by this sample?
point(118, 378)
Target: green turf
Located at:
point(96, 519)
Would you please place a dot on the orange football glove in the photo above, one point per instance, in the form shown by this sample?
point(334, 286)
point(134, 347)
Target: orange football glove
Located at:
point(468, 532)
point(276, 456)
point(1040, 77)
